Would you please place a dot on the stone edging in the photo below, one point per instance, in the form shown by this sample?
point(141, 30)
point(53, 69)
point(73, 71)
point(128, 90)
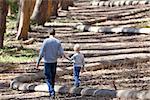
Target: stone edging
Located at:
point(120, 3)
point(84, 91)
point(20, 83)
point(112, 30)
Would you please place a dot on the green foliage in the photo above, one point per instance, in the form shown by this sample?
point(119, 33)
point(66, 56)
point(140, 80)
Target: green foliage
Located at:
point(14, 6)
point(11, 22)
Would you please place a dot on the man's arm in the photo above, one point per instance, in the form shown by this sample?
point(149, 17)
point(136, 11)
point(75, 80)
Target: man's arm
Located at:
point(38, 62)
point(41, 54)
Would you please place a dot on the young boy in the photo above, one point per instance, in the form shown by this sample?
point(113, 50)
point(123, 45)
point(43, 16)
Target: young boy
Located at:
point(78, 63)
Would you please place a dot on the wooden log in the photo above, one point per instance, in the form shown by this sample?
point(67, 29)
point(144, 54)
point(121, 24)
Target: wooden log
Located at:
point(128, 2)
point(30, 77)
point(128, 94)
point(108, 46)
point(124, 94)
point(112, 30)
point(111, 58)
point(124, 22)
point(103, 19)
point(101, 3)
point(106, 3)
point(88, 91)
point(111, 4)
point(60, 24)
point(58, 88)
point(135, 2)
point(134, 94)
point(14, 84)
point(39, 75)
point(112, 52)
point(38, 87)
point(116, 3)
point(143, 2)
point(75, 90)
point(94, 3)
point(105, 93)
point(120, 3)
point(30, 41)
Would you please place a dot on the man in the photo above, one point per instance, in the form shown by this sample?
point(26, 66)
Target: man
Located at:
point(51, 50)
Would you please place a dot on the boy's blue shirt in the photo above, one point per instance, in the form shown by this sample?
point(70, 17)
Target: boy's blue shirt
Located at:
point(78, 59)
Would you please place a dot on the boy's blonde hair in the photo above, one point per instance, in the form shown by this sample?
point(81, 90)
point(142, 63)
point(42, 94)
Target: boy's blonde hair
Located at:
point(76, 47)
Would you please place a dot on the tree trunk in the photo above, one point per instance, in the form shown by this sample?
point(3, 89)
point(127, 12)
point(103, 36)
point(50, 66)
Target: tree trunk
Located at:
point(64, 4)
point(55, 7)
point(3, 13)
point(40, 11)
point(24, 20)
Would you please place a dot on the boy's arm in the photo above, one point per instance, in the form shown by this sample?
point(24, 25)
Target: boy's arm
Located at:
point(83, 63)
point(65, 56)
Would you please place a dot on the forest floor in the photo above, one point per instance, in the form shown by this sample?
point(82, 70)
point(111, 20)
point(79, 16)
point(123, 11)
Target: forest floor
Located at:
point(124, 57)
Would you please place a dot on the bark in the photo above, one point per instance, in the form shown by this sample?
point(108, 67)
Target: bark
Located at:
point(49, 9)
point(39, 14)
point(64, 4)
point(24, 21)
point(3, 13)
point(18, 16)
point(55, 7)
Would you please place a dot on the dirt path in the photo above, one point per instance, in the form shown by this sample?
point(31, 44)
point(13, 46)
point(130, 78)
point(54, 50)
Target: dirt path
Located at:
point(126, 71)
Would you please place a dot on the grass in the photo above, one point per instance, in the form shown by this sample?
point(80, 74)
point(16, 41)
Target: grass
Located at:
point(13, 52)
point(17, 55)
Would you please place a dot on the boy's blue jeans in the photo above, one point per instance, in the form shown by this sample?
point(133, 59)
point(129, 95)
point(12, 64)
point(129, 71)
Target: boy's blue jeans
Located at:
point(76, 75)
point(50, 72)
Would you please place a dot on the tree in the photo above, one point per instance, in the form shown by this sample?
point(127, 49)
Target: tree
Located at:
point(40, 11)
point(24, 21)
point(3, 13)
point(12, 7)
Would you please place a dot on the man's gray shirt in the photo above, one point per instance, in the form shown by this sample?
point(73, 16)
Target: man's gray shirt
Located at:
point(51, 49)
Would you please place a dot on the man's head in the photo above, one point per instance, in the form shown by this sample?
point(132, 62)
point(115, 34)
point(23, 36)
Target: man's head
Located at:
point(51, 32)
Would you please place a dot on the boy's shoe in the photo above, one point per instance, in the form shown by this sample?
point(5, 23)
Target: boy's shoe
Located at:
point(76, 85)
point(52, 97)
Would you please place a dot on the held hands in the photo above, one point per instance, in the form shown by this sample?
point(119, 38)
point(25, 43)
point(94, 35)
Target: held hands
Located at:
point(83, 69)
point(37, 66)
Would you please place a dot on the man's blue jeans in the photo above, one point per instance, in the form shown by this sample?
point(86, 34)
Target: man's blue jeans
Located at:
point(50, 72)
point(76, 75)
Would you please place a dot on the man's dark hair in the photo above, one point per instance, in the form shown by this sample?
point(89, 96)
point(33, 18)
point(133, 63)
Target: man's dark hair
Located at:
point(51, 31)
